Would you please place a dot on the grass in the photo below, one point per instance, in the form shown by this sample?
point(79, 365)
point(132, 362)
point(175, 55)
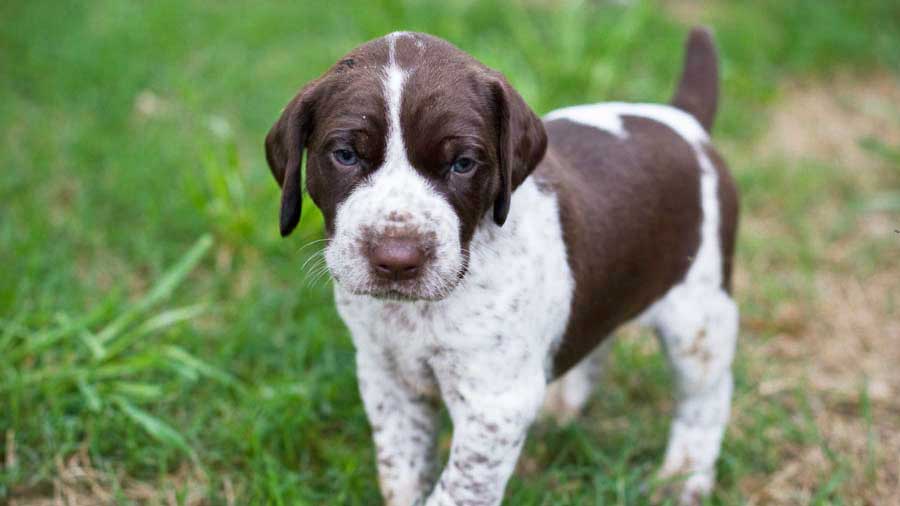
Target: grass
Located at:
point(161, 345)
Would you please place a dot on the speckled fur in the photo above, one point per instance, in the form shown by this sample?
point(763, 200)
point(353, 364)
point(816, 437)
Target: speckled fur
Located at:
point(485, 349)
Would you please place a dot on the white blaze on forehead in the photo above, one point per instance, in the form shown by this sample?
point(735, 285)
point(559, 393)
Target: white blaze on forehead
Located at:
point(392, 83)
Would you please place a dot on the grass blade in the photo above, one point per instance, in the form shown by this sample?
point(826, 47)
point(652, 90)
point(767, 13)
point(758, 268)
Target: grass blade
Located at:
point(194, 366)
point(163, 288)
point(156, 323)
point(137, 391)
point(91, 397)
point(43, 340)
point(156, 428)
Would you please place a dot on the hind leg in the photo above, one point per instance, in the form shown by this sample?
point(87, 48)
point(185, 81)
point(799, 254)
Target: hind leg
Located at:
point(697, 326)
point(567, 396)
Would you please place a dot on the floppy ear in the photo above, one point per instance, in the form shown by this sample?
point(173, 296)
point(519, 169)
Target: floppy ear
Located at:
point(284, 152)
point(523, 142)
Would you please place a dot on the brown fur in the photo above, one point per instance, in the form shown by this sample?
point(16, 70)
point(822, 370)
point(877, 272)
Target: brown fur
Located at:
point(630, 211)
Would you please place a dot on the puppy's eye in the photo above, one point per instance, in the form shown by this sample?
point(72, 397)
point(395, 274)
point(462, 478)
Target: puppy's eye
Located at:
point(345, 157)
point(462, 165)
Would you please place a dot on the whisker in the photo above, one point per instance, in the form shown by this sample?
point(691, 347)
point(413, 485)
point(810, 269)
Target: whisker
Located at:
point(310, 243)
point(317, 274)
point(316, 271)
point(319, 255)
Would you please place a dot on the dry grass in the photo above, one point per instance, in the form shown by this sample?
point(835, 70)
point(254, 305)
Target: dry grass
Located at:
point(827, 120)
point(841, 344)
point(79, 483)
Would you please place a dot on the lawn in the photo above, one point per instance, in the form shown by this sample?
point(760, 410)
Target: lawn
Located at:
point(161, 344)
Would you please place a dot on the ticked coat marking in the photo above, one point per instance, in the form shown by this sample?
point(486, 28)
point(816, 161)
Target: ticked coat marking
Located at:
point(492, 307)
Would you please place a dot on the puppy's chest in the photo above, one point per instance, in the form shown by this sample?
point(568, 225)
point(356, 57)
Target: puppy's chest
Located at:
point(512, 307)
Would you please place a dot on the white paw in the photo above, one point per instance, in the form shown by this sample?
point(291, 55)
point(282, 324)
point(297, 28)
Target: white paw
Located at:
point(695, 489)
point(690, 489)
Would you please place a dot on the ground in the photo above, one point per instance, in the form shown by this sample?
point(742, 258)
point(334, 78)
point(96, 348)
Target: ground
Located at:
point(162, 345)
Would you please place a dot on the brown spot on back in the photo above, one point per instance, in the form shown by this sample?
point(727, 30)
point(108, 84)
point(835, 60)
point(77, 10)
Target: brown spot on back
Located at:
point(630, 211)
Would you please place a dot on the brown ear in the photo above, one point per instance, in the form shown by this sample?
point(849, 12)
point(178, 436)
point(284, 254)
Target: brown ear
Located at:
point(284, 152)
point(523, 142)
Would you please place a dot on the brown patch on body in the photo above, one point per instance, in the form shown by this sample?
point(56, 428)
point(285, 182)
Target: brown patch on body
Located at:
point(631, 216)
point(631, 207)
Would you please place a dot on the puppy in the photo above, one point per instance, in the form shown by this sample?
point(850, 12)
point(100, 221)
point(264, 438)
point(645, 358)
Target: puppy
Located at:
point(480, 252)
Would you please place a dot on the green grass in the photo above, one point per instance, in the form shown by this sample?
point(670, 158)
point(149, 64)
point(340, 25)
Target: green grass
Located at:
point(151, 316)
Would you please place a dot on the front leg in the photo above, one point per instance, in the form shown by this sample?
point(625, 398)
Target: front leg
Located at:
point(491, 416)
point(404, 425)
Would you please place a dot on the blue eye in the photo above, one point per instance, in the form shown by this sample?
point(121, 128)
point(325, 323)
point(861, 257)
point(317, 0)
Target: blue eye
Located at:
point(462, 165)
point(345, 157)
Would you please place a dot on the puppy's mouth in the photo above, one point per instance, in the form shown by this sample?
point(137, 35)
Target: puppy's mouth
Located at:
point(405, 291)
point(431, 286)
point(403, 296)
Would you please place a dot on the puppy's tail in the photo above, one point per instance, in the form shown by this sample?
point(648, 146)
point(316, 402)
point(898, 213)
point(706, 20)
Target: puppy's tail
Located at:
point(698, 90)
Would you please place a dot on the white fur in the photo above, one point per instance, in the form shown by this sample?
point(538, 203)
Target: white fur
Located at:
point(607, 116)
point(697, 324)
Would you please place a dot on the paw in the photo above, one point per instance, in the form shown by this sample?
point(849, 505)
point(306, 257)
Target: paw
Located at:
point(557, 407)
point(685, 488)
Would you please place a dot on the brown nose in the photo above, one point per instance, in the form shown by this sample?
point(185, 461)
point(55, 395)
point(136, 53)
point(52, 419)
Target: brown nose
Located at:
point(397, 259)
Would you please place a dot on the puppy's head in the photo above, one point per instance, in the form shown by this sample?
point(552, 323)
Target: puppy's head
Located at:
point(410, 143)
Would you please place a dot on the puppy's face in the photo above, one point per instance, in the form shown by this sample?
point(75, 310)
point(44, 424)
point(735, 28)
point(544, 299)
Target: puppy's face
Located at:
point(410, 142)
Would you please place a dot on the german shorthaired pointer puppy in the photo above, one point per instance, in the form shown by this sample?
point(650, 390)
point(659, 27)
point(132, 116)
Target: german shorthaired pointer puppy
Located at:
point(480, 253)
